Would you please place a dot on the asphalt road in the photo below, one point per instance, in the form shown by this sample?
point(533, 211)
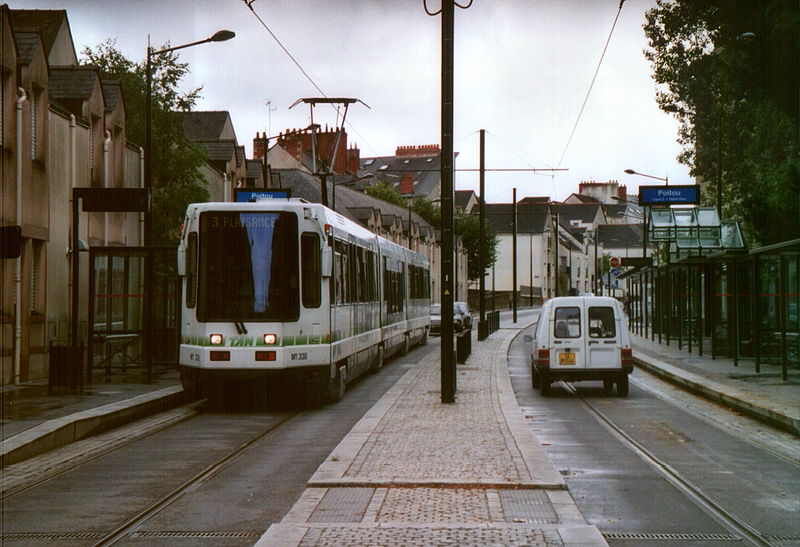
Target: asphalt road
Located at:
point(748, 471)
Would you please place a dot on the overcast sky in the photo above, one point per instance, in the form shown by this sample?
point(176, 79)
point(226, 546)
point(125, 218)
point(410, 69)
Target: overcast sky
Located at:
point(522, 71)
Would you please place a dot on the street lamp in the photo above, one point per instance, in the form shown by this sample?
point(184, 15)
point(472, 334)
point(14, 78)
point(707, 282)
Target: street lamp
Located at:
point(632, 172)
point(219, 36)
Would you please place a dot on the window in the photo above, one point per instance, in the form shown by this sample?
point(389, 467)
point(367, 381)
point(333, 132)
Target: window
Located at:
point(568, 322)
point(602, 323)
point(310, 265)
point(191, 271)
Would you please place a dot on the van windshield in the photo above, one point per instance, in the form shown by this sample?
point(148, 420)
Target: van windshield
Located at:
point(601, 322)
point(567, 322)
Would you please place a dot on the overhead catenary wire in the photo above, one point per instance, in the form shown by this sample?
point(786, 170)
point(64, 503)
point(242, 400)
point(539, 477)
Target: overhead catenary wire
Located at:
point(589, 91)
point(249, 4)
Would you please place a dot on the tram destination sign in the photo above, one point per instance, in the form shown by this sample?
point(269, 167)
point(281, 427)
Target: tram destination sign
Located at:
point(688, 194)
point(247, 196)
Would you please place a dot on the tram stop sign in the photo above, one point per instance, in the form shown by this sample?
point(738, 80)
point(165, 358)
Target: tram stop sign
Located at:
point(614, 262)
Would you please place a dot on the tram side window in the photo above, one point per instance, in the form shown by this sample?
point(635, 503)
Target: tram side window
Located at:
point(310, 264)
point(191, 270)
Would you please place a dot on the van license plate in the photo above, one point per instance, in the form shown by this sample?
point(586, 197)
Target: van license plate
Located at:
point(566, 358)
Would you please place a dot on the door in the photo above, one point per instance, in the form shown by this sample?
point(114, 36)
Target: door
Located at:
point(603, 337)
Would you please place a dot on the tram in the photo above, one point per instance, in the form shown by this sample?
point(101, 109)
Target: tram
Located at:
point(291, 288)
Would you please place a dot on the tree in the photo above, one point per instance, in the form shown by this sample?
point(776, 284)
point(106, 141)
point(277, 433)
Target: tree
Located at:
point(729, 72)
point(468, 228)
point(176, 178)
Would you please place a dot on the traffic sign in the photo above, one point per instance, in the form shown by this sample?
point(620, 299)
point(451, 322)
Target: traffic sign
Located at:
point(614, 272)
point(686, 194)
point(614, 262)
point(244, 196)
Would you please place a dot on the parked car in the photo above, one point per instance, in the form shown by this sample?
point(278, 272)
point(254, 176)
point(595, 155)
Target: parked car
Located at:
point(466, 318)
point(436, 319)
point(581, 338)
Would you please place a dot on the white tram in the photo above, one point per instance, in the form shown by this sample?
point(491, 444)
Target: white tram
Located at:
point(290, 287)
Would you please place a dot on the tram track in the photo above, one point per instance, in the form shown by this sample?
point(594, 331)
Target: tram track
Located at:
point(701, 499)
point(132, 525)
point(23, 476)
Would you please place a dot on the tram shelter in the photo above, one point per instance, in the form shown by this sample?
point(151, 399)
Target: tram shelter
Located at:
point(709, 293)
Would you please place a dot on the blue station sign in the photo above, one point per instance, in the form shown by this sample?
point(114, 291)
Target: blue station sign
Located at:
point(247, 196)
point(688, 194)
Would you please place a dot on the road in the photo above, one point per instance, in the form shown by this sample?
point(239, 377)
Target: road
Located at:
point(231, 503)
point(221, 477)
point(616, 455)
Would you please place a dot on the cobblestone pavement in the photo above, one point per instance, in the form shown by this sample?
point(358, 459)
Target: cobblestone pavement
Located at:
point(415, 471)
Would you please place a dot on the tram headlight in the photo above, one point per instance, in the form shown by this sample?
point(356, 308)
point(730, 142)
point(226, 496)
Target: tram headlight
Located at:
point(270, 339)
point(216, 339)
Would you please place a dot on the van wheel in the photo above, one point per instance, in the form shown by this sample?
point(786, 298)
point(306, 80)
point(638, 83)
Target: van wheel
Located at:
point(544, 385)
point(622, 385)
point(535, 379)
point(608, 385)
point(337, 385)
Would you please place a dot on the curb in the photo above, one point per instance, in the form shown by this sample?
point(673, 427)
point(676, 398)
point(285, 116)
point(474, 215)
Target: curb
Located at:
point(59, 432)
point(715, 391)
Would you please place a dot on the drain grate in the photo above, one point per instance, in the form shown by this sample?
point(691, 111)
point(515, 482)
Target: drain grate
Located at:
point(343, 505)
point(672, 537)
point(527, 506)
point(51, 535)
point(190, 534)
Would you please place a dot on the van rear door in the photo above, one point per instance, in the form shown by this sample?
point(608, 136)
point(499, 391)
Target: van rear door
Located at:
point(602, 336)
point(569, 346)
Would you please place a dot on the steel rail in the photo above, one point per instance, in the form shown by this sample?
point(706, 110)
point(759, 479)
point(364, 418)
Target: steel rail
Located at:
point(133, 523)
point(68, 463)
point(705, 502)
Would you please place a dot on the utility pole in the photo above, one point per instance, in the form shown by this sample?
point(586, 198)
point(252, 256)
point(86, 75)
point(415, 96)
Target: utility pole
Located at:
point(514, 254)
point(482, 240)
point(448, 373)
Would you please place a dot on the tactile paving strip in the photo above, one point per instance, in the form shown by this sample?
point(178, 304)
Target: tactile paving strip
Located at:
point(528, 506)
point(342, 505)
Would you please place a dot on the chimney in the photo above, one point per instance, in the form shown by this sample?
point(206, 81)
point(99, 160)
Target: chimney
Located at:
point(259, 145)
point(353, 159)
point(406, 184)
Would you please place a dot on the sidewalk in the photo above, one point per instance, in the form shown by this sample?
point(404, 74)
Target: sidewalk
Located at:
point(415, 471)
point(34, 422)
point(763, 396)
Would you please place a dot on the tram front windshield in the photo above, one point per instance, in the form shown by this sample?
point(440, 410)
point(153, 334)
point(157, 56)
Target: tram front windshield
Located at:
point(248, 266)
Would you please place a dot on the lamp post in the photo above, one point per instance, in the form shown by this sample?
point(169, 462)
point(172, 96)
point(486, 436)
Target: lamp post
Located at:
point(644, 235)
point(219, 36)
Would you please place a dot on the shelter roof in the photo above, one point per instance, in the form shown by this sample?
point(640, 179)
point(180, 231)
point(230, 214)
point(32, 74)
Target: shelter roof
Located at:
point(620, 235)
point(424, 169)
point(72, 82)
point(26, 45)
point(112, 90)
point(204, 125)
point(583, 212)
point(531, 217)
point(46, 22)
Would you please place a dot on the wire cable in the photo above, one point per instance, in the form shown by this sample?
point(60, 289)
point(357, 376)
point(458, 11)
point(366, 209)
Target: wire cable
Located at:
point(249, 4)
point(429, 12)
point(588, 92)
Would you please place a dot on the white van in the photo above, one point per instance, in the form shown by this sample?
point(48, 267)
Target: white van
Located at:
point(581, 338)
